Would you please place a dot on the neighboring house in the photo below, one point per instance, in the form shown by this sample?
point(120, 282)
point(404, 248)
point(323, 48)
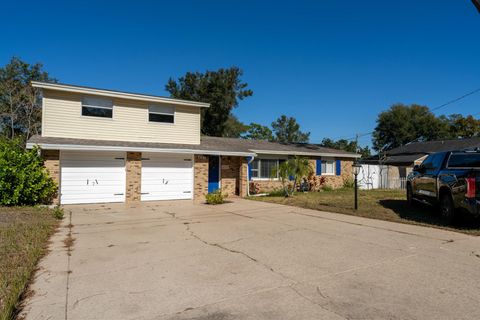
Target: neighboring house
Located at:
point(399, 162)
point(110, 146)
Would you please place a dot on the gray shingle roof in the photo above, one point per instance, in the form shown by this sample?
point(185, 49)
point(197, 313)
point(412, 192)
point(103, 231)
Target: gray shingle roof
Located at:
point(436, 146)
point(210, 145)
point(407, 154)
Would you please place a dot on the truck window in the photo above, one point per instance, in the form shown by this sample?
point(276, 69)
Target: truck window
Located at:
point(464, 160)
point(433, 162)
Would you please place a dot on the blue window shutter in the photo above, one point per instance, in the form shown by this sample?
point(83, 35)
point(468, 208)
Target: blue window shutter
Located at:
point(250, 160)
point(319, 167)
point(338, 167)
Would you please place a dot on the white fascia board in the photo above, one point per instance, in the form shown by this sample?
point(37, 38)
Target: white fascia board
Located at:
point(311, 154)
point(116, 94)
point(72, 147)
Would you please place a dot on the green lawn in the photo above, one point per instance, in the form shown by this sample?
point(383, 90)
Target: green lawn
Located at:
point(24, 234)
point(387, 205)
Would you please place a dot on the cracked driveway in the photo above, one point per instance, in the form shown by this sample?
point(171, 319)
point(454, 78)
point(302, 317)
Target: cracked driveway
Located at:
point(251, 260)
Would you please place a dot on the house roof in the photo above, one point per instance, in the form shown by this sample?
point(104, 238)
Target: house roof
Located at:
point(409, 153)
point(208, 145)
point(115, 94)
point(428, 147)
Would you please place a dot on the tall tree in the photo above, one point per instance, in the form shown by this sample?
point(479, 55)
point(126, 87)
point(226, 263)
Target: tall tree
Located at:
point(20, 106)
point(402, 124)
point(222, 89)
point(258, 132)
point(234, 128)
point(287, 130)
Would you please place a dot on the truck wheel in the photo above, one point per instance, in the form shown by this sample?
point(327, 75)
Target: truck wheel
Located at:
point(447, 209)
point(410, 200)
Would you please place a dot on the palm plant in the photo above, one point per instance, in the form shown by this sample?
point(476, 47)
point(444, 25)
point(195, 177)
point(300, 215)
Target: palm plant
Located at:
point(293, 169)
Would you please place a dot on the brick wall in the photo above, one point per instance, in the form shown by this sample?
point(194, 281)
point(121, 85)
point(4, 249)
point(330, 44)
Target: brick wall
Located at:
point(201, 177)
point(243, 177)
point(230, 175)
point(333, 181)
point(51, 162)
point(133, 166)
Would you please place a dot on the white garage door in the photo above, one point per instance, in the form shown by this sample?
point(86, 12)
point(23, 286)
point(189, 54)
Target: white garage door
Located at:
point(92, 177)
point(166, 176)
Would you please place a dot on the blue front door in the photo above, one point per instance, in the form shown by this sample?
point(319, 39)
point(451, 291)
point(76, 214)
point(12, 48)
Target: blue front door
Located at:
point(213, 173)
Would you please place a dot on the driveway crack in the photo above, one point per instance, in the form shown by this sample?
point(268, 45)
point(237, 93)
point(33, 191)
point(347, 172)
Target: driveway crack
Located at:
point(222, 247)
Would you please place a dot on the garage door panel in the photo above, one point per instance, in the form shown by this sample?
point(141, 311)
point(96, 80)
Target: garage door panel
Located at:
point(167, 177)
point(92, 177)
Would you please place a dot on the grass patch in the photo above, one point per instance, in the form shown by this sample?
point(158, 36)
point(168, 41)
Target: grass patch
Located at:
point(24, 234)
point(389, 205)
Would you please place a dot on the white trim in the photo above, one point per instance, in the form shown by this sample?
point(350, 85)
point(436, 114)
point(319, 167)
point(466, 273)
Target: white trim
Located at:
point(116, 94)
point(301, 153)
point(49, 146)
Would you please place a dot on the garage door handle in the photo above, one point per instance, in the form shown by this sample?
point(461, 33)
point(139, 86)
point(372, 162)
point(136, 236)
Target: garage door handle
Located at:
point(118, 194)
point(144, 192)
point(187, 191)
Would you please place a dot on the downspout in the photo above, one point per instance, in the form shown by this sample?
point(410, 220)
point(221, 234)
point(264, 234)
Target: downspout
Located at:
point(250, 160)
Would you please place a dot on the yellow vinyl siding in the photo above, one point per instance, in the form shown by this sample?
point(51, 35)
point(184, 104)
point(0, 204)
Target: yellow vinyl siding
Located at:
point(62, 117)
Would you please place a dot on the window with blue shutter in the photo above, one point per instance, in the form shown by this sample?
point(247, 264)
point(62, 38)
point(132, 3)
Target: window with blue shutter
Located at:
point(338, 167)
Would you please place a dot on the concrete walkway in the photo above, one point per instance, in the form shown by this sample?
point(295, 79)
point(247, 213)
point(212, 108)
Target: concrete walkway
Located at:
point(251, 260)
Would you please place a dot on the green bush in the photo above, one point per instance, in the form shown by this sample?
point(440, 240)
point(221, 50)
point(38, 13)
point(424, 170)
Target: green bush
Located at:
point(348, 183)
point(327, 188)
point(23, 179)
point(58, 213)
point(215, 197)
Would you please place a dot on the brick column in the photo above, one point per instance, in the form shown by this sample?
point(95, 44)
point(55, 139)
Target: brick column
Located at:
point(134, 176)
point(243, 177)
point(201, 177)
point(51, 161)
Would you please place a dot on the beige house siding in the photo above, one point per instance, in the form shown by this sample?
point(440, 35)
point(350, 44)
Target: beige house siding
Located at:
point(62, 118)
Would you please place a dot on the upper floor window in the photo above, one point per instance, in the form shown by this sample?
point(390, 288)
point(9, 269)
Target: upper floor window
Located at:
point(97, 107)
point(161, 114)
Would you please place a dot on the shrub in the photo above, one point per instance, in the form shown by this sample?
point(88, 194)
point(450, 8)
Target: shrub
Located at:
point(215, 197)
point(58, 213)
point(348, 183)
point(254, 188)
point(327, 188)
point(23, 179)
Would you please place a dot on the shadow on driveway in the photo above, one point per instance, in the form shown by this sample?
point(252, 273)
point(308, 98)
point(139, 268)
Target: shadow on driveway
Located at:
point(422, 213)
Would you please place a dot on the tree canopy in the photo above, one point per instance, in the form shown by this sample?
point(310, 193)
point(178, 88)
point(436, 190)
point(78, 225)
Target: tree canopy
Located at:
point(222, 88)
point(346, 145)
point(234, 128)
point(258, 132)
point(20, 107)
point(402, 124)
point(287, 130)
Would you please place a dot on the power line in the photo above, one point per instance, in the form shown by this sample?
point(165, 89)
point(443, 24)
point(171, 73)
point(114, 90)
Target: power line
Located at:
point(455, 100)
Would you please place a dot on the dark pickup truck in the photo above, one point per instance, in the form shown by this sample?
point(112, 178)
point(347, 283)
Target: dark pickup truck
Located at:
point(449, 180)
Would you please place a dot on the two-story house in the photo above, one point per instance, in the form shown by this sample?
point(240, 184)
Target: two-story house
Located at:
point(111, 146)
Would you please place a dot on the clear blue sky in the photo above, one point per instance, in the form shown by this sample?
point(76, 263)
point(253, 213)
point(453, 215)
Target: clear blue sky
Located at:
point(334, 65)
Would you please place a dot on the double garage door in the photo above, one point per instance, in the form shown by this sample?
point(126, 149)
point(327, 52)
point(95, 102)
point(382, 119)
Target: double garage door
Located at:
point(98, 177)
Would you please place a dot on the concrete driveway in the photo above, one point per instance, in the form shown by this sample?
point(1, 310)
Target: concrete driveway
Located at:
point(251, 260)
